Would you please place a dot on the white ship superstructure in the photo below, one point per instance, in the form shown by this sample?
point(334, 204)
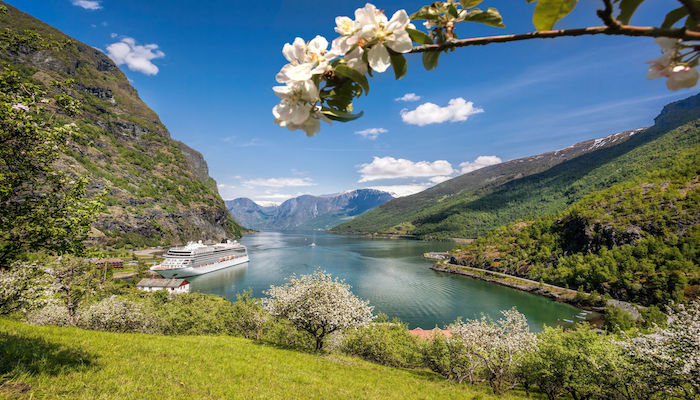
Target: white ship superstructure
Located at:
point(197, 259)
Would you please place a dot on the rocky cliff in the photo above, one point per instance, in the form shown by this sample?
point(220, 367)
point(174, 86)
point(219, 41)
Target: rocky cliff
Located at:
point(158, 190)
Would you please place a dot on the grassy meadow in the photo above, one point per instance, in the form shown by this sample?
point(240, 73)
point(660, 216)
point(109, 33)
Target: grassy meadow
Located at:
point(54, 362)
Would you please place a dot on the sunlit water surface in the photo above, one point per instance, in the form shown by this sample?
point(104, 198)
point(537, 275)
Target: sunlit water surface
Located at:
point(391, 274)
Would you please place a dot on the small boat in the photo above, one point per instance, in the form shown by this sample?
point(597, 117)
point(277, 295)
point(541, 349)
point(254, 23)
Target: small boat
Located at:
point(567, 320)
point(313, 244)
point(580, 317)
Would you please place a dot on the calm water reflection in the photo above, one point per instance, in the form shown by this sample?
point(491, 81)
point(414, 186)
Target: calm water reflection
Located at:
point(391, 274)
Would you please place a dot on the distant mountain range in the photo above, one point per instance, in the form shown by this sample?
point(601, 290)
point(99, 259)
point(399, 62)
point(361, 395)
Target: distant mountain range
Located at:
point(307, 212)
point(472, 204)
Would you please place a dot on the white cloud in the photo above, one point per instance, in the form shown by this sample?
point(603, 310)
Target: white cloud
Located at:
point(480, 162)
point(280, 182)
point(390, 168)
point(402, 190)
point(440, 179)
point(457, 110)
point(113, 35)
point(371, 133)
point(87, 4)
point(408, 97)
point(226, 191)
point(137, 57)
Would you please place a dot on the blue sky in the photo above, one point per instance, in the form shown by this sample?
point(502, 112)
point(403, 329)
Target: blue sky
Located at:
point(213, 64)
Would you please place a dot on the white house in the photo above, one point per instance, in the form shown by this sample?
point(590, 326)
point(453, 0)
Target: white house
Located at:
point(171, 285)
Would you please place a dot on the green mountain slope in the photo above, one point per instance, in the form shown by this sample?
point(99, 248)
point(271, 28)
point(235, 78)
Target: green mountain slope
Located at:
point(473, 204)
point(158, 189)
point(637, 241)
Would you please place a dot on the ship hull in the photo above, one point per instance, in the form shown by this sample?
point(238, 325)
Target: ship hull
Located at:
point(194, 271)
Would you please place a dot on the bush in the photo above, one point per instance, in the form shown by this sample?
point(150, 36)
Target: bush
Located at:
point(194, 314)
point(385, 343)
point(51, 314)
point(248, 317)
point(616, 320)
point(116, 314)
point(450, 359)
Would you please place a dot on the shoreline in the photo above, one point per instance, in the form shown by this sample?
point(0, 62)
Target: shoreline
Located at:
point(552, 292)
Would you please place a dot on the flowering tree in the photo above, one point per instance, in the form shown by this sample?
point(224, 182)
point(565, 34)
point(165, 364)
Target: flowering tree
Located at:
point(499, 346)
point(23, 288)
point(41, 207)
point(318, 304)
point(320, 84)
point(667, 362)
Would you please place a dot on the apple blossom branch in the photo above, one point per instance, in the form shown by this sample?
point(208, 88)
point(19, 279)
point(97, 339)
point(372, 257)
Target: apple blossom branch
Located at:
point(624, 30)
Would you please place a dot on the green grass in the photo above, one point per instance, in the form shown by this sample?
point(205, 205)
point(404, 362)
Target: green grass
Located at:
point(79, 364)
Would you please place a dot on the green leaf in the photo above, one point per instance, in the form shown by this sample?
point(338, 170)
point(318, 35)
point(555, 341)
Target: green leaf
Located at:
point(452, 10)
point(425, 12)
point(419, 36)
point(351, 73)
point(430, 59)
point(490, 17)
point(341, 116)
point(627, 9)
point(470, 3)
point(398, 62)
point(690, 24)
point(548, 12)
point(674, 16)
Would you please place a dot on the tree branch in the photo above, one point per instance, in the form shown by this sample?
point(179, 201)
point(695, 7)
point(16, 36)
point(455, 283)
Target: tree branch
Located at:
point(623, 30)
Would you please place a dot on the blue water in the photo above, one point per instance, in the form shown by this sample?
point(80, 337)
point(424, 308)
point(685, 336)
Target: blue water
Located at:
point(391, 274)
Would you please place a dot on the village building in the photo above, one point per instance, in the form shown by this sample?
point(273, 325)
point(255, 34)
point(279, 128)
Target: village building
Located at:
point(429, 335)
point(171, 285)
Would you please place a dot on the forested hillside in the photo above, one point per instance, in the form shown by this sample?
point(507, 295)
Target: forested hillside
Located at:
point(636, 241)
point(473, 204)
point(157, 190)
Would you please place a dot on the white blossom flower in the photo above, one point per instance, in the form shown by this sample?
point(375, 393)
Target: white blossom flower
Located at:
point(298, 99)
point(305, 59)
point(354, 60)
point(20, 106)
point(682, 77)
point(374, 26)
point(670, 66)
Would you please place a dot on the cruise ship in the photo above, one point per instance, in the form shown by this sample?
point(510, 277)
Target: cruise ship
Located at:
point(197, 259)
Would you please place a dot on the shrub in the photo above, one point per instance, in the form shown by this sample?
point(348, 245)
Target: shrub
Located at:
point(450, 358)
point(385, 343)
point(194, 314)
point(248, 317)
point(51, 314)
point(568, 362)
point(116, 314)
point(617, 320)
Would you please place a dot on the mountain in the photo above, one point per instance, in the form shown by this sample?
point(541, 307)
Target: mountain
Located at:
point(635, 241)
point(158, 189)
point(307, 212)
point(472, 204)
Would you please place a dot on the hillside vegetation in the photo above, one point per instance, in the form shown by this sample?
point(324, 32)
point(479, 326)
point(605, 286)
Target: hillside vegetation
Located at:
point(636, 241)
point(158, 190)
point(51, 362)
point(473, 204)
